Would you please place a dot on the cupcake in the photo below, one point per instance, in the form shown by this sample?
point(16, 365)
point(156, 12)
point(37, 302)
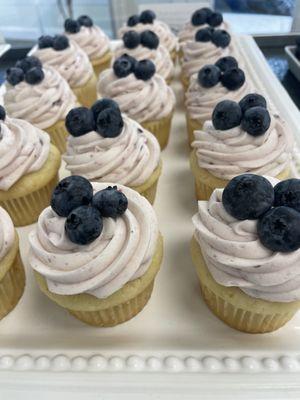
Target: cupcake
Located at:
point(12, 274)
point(241, 138)
point(147, 21)
point(246, 249)
point(145, 45)
point(213, 83)
point(28, 169)
point(141, 94)
point(41, 96)
point(105, 146)
point(96, 251)
point(72, 63)
point(207, 47)
point(92, 40)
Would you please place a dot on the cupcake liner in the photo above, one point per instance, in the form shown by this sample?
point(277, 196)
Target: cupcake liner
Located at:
point(87, 94)
point(192, 125)
point(102, 63)
point(13, 282)
point(206, 183)
point(149, 188)
point(26, 199)
point(237, 309)
point(58, 135)
point(160, 129)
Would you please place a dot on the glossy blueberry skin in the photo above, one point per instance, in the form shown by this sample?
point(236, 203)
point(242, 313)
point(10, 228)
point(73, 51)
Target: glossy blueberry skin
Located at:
point(85, 20)
point(233, 78)
point(34, 76)
point(256, 121)
point(199, 17)
point(147, 17)
point(133, 20)
point(109, 123)
point(226, 115)
point(287, 193)
point(101, 105)
point(14, 75)
point(60, 42)
point(149, 39)
point(221, 38)
point(131, 39)
point(252, 100)
point(144, 70)
point(28, 62)
point(2, 113)
point(123, 66)
point(45, 42)
point(203, 35)
point(79, 121)
point(215, 19)
point(209, 76)
point(71, 25)
point(110, 202)
point(226, 62)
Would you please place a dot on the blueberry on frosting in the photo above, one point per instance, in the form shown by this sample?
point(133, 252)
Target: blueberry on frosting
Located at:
point(109, 122)
point(131, 39)
point(80, 120)
point(71, 25)
point(83, 225)
point(110, 202)
point(147, 17)
point(209, 76)
point(226, 115)
point(220, 38)
point(2, 113)
point(252, 100)
point(85, 20)
point(149, 39)
point(144, 70)
point(123, 66)
point(248, 196)
point(287, 193)
point(256, 121)
point(34, 76)
point(215, 19)
point(60, 42)
point(203, 35)
point(227, 62)
point(101, 105)
point(45, 41)
point(28, 62)
point(233, 78)
point(199, 17)
point(133, 20)
point(14, 75)
point(70, 193)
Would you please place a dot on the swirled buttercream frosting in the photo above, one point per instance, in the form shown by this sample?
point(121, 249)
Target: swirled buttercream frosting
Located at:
point(7, 233)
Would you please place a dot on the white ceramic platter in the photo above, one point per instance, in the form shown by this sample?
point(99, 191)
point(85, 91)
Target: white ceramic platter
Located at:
point(175, 348)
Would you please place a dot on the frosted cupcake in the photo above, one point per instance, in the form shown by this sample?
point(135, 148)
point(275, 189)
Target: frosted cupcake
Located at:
point(147, 21)
point(12, 274)
point(146, 45)
point(213, 83)
point(92, 40)
point(207, 47)
point(71, 62)
point(105, 146)
point(96, 251)
point(141, 94)
point(41, 96)
point(241, 138)
point(29, 167)
point(246, 249)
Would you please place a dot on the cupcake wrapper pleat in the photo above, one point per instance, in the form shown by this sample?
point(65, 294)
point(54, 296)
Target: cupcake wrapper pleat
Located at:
point(160, 129)
point(192, 125)
point(58, 135)
point(102, 63)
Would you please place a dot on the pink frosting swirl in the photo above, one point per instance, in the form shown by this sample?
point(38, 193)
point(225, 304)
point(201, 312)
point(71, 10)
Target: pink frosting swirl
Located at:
point(123, 252)
point(7, 233)
point(235, 256)
point(232, 152)
point(160, 57)
point(23, 149)
point(141, 100)
point(188, 31)
point(72, 63)
point(92, 40)
point(42, 104)
point(128, 159)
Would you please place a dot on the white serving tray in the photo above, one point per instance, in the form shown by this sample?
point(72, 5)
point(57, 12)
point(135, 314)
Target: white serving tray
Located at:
point(175, 348)
point(294, 63)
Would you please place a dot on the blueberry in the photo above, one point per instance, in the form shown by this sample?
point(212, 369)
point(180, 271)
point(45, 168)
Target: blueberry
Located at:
point(233, 78)
point(85, 20)
point(226, 115)
point(133, 20)
point(101, 105)
point(70, 193)
point(208, 11)
point(71, 25)
point(147, 17)
point(14, 75)
point(203, 35)
point(83, 225)
point(252, 100)
point(220, 38)
point(149, 39)
point(28, 62)
point(131, 39)
point(60, 42)
point(2, 113)
point(109, 123)
point(287, 193)
point(248, 196)
point(79, 121)
point(45, 41)
point(279, 229)
point(256, 121)
point(199, 17)
point(111, 202)
point(144, 70)
point(123, 66)
point(34, 76)
point(226, 62)
point(215, 19)
point(209, 76)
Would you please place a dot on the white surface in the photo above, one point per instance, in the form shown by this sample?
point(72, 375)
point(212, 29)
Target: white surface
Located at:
point(294, 63)
point(175, 346)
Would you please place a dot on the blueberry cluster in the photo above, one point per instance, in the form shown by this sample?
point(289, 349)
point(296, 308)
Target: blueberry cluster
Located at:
point(74, 25)
point(104, 117)
point(57, 42)
point(28, 69)
point(73, 198)
point(206, 16)
point(225, 70)
point(146, 17)
point(251, 113)
point(126, 65)
point(132, 39)
point(277, 209)
point(218, 37)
